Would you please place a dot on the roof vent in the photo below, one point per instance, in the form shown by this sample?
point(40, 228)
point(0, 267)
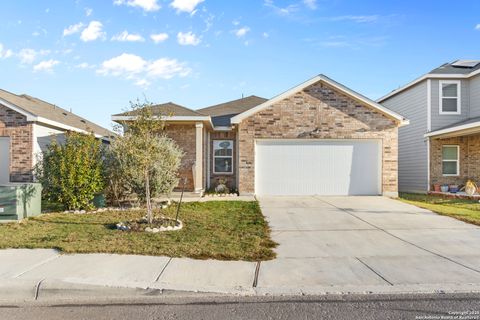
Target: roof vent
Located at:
point(465, 63)
point(83, 121)
point(64, 113)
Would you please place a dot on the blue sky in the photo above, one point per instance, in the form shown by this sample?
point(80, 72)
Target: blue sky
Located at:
point(96, 56)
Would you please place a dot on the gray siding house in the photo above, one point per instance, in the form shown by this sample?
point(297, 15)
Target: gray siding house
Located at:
point(442, 143)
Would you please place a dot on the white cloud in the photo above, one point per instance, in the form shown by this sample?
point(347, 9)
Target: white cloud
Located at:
point(357, 19)
point(84, 65)
point(92, 32)
point(130, 37)
point(265, 35)
point(124, 64)
point(28, 56)
point(477, 27)
point(241, 32)
point(5, 53)
point(167, 68)
point(142, 83)
point(135, 67)
point(188, 39)
point(282, 11)
point(159, 37)
point(185, 5)
point(46, 65)
point(146, 5)
point(311, 4)
point(88, 12)
point(74, 28)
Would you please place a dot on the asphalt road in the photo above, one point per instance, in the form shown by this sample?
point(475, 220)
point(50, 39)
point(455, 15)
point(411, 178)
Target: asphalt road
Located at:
point(438, 306)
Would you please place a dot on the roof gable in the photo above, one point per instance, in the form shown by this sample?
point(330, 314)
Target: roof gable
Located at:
point(355, 95)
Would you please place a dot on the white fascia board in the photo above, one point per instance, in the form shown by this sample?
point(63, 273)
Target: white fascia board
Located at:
point(167, 118)
point(30, 116)
point(67, 127)
point(453, 129)
point(238, 118)
point(425, 77)
point(222, 128)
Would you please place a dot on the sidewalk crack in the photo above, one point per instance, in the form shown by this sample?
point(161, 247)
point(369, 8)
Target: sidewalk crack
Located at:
point(163, 270)
point(37, 289)
point(257, 271)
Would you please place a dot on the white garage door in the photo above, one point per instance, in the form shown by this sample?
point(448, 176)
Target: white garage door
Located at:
point(4, 159)
point(317, 167)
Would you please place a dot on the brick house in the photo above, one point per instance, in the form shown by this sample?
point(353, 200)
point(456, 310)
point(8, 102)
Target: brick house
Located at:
point(27, 126)
point(320, 137)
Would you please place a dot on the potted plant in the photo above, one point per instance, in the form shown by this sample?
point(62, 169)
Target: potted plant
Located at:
point(453, 188)
point(444, 188)
point(436, 187)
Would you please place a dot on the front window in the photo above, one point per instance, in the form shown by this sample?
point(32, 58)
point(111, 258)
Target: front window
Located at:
point(223, 156)
point(449, 97)
point(450, 163)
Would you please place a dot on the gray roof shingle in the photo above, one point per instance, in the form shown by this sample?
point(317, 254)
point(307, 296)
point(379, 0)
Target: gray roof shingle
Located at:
point(167, 109)
point(223, 112)
point(52, 112)
point(450, 68)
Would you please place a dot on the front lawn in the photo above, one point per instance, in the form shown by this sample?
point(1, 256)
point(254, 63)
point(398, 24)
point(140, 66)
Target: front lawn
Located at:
point(461, 209)
point(225, 230)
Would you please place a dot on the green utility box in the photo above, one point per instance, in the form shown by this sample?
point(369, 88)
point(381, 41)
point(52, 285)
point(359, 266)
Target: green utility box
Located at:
point(20, 200)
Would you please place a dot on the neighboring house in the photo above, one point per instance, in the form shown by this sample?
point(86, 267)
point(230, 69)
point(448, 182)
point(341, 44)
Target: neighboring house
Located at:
point(27, 126)
point(442, 143)
point(317, 138)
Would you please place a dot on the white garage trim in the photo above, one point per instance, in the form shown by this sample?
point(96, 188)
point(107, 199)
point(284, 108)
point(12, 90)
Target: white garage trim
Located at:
point(339, 167)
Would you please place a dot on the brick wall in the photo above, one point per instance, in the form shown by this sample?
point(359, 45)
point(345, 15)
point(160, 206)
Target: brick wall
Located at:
point(16, 126)
point(318, 112)
point(184, 136)
point(469, 160)
point(230, 178)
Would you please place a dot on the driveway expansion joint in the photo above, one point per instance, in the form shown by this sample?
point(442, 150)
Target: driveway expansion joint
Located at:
point(374, 271)
point(37, 289)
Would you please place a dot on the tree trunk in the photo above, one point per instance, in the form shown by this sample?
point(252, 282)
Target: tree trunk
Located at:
point(147, 196)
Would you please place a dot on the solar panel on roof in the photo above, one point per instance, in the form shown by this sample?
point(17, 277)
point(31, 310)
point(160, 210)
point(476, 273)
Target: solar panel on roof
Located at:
point(466, 63)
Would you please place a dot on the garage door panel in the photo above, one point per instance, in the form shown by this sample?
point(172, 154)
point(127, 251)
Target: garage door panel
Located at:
point(323, 167)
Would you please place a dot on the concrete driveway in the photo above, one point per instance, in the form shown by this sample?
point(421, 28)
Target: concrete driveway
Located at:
point(366, 244)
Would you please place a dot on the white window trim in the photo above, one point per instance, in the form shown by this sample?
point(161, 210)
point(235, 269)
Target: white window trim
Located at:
point(457, 161)
point(214, 157)
point(459, 96)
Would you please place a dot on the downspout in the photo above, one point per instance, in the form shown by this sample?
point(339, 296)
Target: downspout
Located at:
point(208, 160)
point(429, 128)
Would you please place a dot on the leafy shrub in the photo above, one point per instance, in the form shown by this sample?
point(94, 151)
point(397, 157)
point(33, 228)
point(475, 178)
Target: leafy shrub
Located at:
point(147, 159)
point(71, 173)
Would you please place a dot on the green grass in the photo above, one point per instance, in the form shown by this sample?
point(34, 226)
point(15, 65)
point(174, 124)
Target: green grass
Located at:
point(224, 230)
point(461, 209)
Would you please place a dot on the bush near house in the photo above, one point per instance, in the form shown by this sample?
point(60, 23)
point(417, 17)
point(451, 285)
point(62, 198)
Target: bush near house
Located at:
point(145, 160)
point(72, 173)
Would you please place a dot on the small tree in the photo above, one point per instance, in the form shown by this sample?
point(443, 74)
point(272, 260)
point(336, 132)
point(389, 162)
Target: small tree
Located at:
point(71, 172)
point(147, 157)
